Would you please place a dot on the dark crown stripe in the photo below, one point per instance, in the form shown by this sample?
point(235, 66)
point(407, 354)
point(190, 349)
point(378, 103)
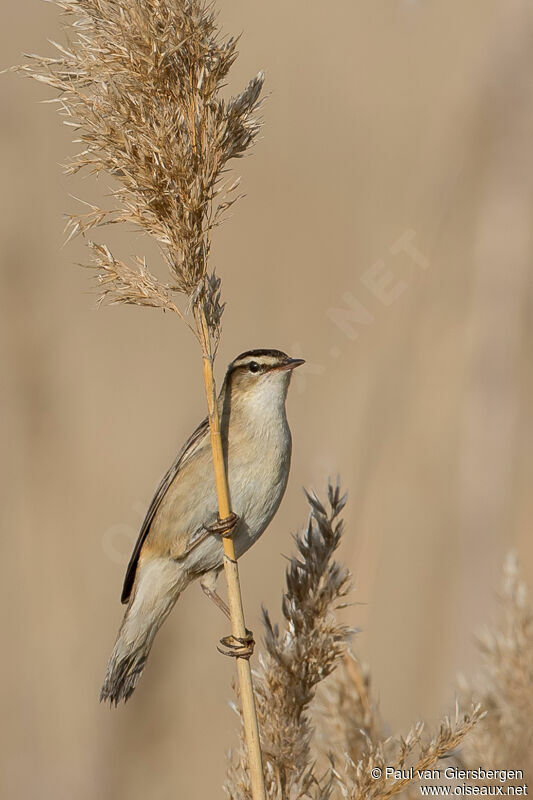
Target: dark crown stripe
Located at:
point(258, 353)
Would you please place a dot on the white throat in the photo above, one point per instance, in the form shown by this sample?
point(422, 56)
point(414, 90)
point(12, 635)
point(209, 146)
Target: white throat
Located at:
point(264, 403)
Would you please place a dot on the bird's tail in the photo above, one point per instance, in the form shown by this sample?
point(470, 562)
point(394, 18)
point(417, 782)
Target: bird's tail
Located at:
point(157, 587)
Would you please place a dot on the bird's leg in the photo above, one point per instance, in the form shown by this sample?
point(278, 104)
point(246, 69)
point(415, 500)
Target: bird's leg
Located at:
point(213, 595)
point(233, 646)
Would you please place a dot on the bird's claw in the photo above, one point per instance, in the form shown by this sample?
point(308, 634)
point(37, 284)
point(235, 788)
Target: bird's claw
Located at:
point(237, 647)
point(224, 527)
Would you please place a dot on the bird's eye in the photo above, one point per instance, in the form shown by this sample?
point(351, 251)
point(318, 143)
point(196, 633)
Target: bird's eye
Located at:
point(254, 366)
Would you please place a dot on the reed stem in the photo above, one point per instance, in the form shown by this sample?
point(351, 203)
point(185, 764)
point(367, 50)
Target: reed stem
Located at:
point(231, 569)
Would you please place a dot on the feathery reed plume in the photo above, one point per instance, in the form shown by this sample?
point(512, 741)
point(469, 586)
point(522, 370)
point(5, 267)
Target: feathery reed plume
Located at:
point(407, 756)
point(300, 731)
point(141, 84)
point(504, 740)
point(347, 718)
point(353, 737)
point(296, 660)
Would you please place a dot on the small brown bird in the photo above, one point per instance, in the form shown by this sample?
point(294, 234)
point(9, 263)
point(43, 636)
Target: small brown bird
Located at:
point(178, 541)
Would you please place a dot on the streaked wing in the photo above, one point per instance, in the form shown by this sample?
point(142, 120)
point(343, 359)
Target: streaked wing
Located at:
point(162, 489)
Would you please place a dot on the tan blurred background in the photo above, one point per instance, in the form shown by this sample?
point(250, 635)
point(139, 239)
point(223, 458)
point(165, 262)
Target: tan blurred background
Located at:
point(386, 237)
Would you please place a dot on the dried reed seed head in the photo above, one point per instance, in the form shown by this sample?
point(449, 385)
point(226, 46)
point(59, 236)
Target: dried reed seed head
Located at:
point(297, 659)
point(300, 760)
point(141, 84)
point(358, 781)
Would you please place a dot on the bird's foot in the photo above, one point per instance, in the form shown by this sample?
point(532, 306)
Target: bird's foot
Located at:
point(237, 647)
point(224, 527)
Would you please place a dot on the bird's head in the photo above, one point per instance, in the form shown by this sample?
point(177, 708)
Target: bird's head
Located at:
point(261, 377)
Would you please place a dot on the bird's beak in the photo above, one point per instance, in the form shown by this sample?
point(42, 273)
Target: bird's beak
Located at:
point(291, 363)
